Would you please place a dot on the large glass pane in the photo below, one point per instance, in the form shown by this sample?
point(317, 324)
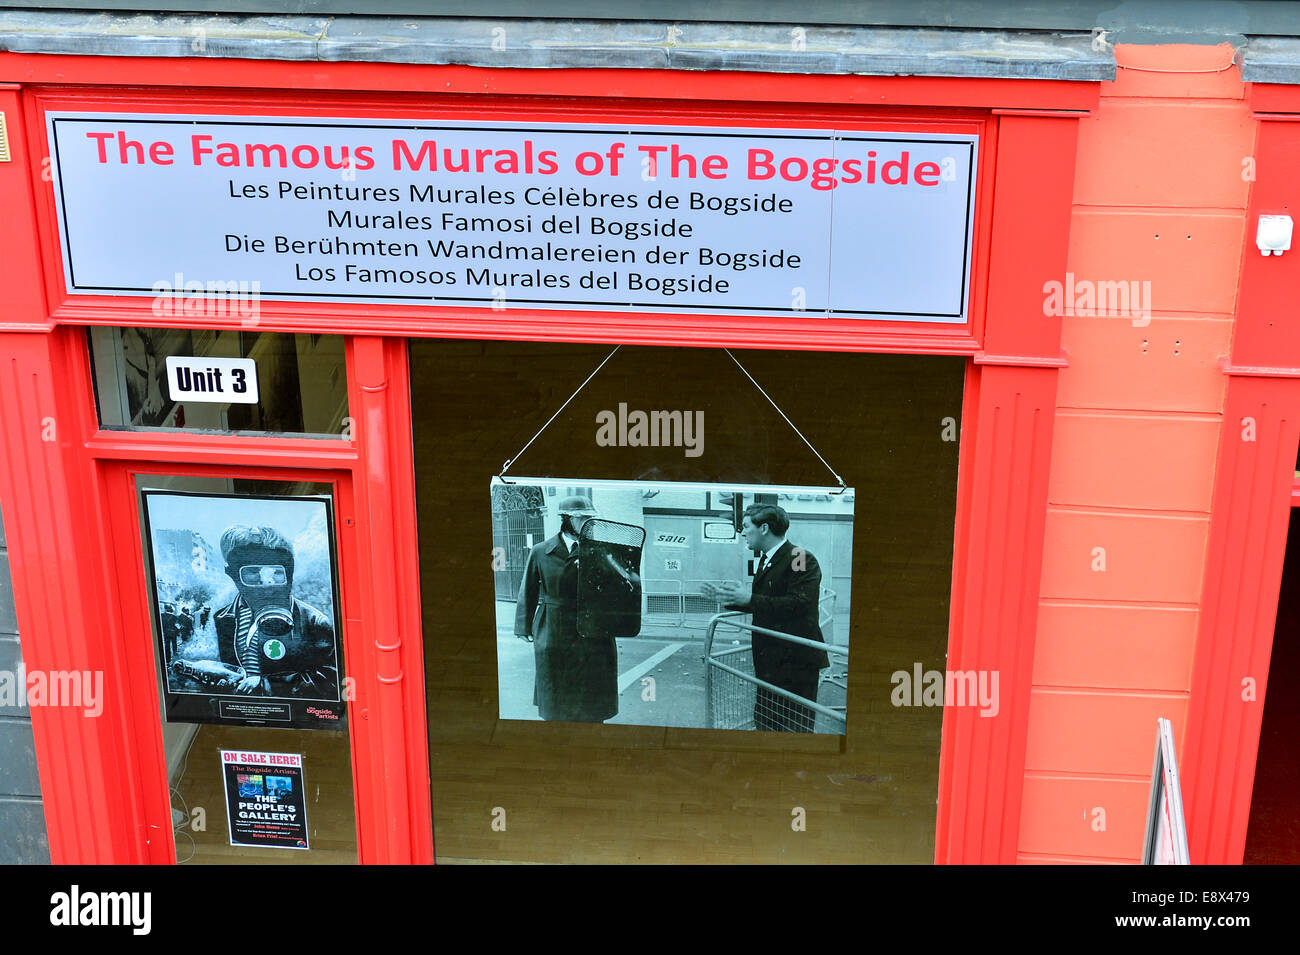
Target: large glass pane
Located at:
point(674, 770)
point(236, 380)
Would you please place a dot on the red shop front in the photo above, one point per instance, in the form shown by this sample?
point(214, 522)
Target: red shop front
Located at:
point(356, 386)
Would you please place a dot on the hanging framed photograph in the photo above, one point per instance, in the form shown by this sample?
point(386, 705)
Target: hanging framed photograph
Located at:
point(673, 604)
point(245, 592)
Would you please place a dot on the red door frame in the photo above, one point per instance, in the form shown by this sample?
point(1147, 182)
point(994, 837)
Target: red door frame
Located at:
point(83, 589)
point(53, 497)
point(1251, 508)
point(133, 642)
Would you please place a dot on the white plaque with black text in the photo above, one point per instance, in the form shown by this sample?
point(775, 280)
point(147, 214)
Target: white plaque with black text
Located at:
point(872, 225)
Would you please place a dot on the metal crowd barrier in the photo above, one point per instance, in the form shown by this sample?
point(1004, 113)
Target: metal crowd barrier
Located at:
point(671, 605)
point(837, 674)
point(657, 598)
point(735, 698)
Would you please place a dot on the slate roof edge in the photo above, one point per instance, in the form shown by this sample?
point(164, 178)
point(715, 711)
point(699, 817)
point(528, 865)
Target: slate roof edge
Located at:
point(567, 44)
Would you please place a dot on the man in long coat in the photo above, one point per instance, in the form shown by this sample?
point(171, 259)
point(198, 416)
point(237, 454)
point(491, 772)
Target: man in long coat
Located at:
point(576, 675)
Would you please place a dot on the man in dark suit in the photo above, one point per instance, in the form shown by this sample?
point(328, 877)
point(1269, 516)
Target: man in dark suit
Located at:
point(783, 596)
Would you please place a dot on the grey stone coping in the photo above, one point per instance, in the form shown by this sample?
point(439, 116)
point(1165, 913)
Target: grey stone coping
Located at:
point(1271, 60)
point(567, 44)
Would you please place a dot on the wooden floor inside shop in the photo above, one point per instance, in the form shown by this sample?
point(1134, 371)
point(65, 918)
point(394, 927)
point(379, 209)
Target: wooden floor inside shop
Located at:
point(530, 791)
point(198, 789)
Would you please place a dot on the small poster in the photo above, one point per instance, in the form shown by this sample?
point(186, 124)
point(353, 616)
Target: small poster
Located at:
point(264, 799)
point(246, 598)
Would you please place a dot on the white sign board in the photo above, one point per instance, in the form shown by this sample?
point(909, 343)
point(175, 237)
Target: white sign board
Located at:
point(718, 532)
point(223, 380)
point(709, 221)
point(1166, 836)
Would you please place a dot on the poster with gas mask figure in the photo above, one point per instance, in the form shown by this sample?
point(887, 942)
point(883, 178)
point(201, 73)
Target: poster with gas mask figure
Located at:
point(247, 611)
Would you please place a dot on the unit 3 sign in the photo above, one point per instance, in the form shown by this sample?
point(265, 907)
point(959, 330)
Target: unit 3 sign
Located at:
point(872, 225)
point(223, 380)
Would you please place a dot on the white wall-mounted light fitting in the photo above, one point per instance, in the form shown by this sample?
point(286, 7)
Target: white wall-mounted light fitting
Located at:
point(1273, 237)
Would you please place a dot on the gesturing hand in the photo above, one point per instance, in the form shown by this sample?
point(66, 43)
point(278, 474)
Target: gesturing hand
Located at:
point(729, 591)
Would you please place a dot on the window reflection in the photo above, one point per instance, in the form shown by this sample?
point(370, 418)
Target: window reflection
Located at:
point(300, 381)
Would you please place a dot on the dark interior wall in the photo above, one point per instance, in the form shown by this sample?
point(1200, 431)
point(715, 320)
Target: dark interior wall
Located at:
point(591, 792)
point(1273, 836)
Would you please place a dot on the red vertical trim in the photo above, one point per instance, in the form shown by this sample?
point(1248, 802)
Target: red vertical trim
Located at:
point(1032, 195)
point(1250, 515)
point(381, 407)
point(22, 303)
point(406, 583)
point(1243, 574)
point(997, 565)
point(54, 532)
point(1007, 425)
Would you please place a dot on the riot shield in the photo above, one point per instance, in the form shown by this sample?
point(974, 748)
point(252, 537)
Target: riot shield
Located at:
point(609, 579)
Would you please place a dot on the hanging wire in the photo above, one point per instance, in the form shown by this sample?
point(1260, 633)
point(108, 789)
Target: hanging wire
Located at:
point(842, 486)
point(505, 467)
point(839, 480)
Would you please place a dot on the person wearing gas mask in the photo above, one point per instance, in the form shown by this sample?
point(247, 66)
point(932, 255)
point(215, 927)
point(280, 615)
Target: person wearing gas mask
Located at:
point(283, 646)
point(576, 675)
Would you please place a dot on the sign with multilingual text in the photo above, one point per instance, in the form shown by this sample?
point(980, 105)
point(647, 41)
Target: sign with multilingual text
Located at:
point(872, 225)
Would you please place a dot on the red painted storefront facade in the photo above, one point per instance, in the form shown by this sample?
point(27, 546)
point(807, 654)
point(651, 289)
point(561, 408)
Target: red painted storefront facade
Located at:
point(70, 507)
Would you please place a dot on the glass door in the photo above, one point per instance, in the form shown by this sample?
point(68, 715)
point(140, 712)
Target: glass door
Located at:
point(233, 583)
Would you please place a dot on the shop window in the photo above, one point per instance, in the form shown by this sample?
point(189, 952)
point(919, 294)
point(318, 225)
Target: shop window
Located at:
point(672, 748)
point(224, 381)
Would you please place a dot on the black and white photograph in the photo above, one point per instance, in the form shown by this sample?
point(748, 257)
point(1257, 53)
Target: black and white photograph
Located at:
point(673, 604)
point(247, 608)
